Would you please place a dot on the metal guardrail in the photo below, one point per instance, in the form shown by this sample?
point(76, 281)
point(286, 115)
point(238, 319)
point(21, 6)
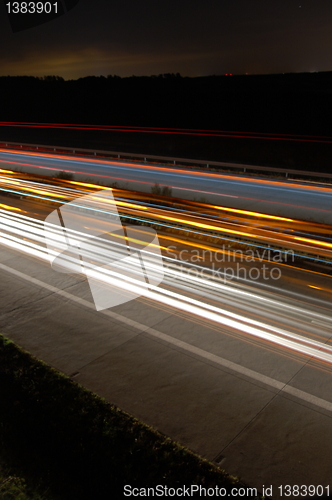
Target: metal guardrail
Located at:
point(184, 162)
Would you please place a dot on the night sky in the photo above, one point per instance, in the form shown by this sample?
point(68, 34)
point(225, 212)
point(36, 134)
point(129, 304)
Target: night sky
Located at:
point(192, 37)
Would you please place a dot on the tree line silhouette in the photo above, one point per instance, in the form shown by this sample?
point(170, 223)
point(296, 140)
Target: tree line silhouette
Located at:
point(284, 103)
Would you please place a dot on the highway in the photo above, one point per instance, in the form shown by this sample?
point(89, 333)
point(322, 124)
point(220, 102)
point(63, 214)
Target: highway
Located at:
point(301, 200)
point(189, 287)
point(237, 368)
point(189, 269)
point(225, 226)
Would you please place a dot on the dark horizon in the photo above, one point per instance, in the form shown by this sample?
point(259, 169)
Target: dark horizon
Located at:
point(191, 37)
point(166, 75)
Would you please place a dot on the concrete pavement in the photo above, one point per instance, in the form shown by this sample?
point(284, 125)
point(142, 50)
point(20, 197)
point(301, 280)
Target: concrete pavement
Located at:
point(263, 413)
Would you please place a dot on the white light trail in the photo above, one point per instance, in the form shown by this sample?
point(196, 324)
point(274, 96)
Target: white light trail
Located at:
point(16, 227)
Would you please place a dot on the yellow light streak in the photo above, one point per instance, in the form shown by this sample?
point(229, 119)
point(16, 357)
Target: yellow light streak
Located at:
point(48, 193)
point(203, 226)
point(130, 205)
point(86, 184)
point(255, 214)
point(314, 242)
point(8, 207)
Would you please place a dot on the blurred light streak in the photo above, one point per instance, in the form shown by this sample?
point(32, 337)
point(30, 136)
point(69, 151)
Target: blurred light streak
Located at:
point(8, 207)
point(314, 242)
point(5, 180)
point(87, 184)
point(34, 227)
point(156, 168)
point(160, 213)
point(254, 214)
point(281, 337)
point(174, 131)
point(25, 226)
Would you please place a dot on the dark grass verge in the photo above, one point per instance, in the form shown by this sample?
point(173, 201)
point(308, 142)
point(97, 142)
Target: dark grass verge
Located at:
point(73, 444)
point(14, 487)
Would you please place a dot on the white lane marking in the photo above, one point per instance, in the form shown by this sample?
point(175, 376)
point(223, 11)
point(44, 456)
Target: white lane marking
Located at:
point(304, 396)
point(72, 297)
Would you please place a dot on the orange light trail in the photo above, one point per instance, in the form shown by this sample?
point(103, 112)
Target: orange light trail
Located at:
point(314, 242)
point(8, 207)
point(86, 184)
point(255, 214)
point(203, 226)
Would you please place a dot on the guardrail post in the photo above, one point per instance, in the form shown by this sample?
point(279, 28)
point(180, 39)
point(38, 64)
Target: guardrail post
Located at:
point(286, 174)
point(118, 156)
point(95, 153)
point(207, 165)
point(244, 170)
point(174, 162)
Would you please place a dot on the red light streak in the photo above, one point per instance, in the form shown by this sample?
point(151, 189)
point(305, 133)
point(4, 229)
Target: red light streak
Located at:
point(173, 131)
